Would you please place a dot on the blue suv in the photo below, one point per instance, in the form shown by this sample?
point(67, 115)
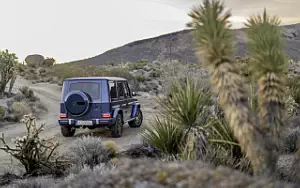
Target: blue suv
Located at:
point(90, 102)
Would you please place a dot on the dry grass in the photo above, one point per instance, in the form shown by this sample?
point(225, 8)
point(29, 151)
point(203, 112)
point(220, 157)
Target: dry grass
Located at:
point(20, 109)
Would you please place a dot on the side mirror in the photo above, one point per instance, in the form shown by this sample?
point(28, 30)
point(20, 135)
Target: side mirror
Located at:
point(133, 93)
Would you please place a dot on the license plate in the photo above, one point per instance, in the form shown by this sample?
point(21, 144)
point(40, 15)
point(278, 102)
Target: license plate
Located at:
point(84, 122)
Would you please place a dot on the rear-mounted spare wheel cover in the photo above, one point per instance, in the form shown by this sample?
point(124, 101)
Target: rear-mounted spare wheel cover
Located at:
point(77, 103)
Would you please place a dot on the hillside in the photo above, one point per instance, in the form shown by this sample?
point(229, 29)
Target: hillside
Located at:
point(181, 48)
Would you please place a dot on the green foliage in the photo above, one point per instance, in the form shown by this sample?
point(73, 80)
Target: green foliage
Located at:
point(164, 135)
point(211, 30)
point(140, 78)
point(137, 65)
point(176, 132)
point(2, 113)
point(220, 135)
point(111, 147)
point(8, 63)
point(186, 104)
point(68, 70)
point(265, 45)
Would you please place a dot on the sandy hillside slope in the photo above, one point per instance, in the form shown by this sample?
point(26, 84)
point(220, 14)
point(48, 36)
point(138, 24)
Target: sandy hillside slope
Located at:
point(50, 95)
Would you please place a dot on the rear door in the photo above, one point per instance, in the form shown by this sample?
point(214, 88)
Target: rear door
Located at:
point(123, 100)
point(130, 100)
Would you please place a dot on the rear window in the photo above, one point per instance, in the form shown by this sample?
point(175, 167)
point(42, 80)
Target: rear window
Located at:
point(93, 89)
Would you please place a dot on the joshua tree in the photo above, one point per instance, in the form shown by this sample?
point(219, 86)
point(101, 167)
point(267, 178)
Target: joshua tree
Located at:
point(214, 40)
point(265, 47)
point(8, 62)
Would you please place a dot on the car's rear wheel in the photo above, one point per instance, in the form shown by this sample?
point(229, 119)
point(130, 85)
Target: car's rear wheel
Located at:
point(67, 131)
point(117, 128)
point(137, 122)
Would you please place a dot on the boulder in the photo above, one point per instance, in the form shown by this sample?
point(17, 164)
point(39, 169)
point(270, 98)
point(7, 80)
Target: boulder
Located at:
point(34, 60)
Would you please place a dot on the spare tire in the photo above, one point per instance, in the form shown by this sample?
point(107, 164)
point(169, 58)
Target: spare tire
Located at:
point(77, 103)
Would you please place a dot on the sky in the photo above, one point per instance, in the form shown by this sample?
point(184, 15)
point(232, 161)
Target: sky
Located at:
point(70, 30)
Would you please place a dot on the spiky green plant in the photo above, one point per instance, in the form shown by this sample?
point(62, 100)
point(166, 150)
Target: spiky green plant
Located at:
point(265, 46)
point(187, 104)
point(164, 135)
point(214, 39)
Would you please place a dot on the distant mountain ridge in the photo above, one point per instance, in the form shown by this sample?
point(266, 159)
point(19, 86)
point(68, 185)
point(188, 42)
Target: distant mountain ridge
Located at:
point(180, 46)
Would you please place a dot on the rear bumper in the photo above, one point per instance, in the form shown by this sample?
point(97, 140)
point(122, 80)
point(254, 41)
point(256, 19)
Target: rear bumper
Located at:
point(95, 122)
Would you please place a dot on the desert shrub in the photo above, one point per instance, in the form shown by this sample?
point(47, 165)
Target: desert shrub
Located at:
point(111, 147)
point(2, 113)
point(186, 104)
point(293, 84)
point(68, 70)
point(196, 145)
point(145, 173)
point(19, 109)
point(136, 65)
point(164, 135)
point(183, 110)
point(140, 78)
point(141, 151)
point(291, 140)
point(28, 93)
point(220, 135)
point(41, 71)
point(155, 74)
point(292, 108)
point(223, 148)
point(88, 150)
point(37, 182)
point(87, 176)
point(19, 97)
point(35, 154)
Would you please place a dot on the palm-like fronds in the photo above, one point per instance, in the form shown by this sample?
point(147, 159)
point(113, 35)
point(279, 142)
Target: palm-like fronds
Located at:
point(164, 135)
point(265, 47)
point(211, 31)
point(187, 104)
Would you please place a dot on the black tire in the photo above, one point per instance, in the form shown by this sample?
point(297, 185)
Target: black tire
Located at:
point(117, 128)
point(67, 131)
point(137, 122)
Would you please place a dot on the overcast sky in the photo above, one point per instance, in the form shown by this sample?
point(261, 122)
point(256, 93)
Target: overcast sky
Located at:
point(76, 29)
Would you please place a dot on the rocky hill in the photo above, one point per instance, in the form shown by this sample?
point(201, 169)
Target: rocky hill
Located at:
point(179, 46)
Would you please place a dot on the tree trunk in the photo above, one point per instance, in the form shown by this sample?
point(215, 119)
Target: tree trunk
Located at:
point(2, 89)
point(11, 84)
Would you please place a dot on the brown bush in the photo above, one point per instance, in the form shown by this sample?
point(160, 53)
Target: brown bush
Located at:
point(19, 109)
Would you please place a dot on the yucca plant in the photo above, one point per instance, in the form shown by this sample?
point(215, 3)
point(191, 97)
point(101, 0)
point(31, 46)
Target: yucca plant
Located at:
point(214, 39)
point(186, 105)
point(164, 135)
point(265, 47)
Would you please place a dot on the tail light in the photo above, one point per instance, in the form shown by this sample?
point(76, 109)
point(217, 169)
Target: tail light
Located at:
point(107, 115)
point(63, 116)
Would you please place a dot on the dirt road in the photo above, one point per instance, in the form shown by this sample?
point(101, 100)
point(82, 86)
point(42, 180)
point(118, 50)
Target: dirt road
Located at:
point(50, 95)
